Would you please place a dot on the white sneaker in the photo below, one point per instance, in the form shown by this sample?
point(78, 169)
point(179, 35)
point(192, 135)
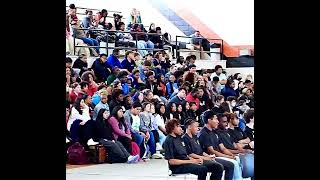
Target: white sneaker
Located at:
point(157, 156)
point(67, 140)
point(91, 142)
point(133, 159)
point(158, 147)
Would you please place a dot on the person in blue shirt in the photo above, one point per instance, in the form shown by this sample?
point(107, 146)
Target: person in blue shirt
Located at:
point(228, 90)
point(171, 86)
point(128, 62)
point(123, 77)
point(101, 68)
point(113, 59)
point(143, 69)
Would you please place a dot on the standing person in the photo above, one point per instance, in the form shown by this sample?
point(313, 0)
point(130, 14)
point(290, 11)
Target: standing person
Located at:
point(116, 151)
point(177, 156)
point(120, 128)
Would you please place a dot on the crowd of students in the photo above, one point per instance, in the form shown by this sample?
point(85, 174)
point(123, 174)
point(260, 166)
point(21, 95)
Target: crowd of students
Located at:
point(147, 102)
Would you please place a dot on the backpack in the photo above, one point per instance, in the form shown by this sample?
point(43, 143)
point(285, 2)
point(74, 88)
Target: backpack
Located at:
point(77, 154)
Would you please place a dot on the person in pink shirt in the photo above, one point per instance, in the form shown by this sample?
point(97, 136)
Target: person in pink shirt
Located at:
point(120, 128)
point(193, 97)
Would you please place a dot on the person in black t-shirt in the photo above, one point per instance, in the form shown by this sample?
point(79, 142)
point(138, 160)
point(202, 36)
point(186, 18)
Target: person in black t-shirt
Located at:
point(249, 118)
point(236, 133)
point(81, 63)
point(194, 150)
point(176, 153)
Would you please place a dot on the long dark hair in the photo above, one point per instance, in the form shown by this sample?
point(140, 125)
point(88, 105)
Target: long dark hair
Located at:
point(121, 120)
point(157, 108)
point(100, 117)
point(76, 105)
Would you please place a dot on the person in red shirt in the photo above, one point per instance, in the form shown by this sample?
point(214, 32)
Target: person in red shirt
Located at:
point(90, 78)
point(193, 97)
point(161, 86)
point(76, 90)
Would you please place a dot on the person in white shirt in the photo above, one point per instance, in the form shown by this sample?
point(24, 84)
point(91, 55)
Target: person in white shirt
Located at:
point(222, 77)
point(80, 125)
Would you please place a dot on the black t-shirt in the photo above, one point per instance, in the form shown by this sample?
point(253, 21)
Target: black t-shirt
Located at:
point(249, 132)
point(226, 139)
point(192, 144)
point(174, 148)
point(209, 138)
point(79, 64)
point(237, 134)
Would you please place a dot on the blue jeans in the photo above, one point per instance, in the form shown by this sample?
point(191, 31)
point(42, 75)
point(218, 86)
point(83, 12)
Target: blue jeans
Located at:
point(147, 44)
point(142, 46)
point(137, 138)
point(152, 143)
point(247, 163)
point(91, 42)
point(162, 137)
point(237, 173)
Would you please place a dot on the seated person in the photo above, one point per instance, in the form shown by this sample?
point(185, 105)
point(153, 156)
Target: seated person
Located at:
point(236, 133)
point(128, 62)
point(211, 143)
point(198, 42)
point(178, 159)
point(113, 59)
point(194, 150)
point(101, 69)
point(81, 63)
point(249, 118)
point(116, 151)
point(124, 39)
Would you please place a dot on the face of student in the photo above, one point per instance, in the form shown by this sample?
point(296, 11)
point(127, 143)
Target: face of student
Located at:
point(178, 130)
point(120, 113)
point(173, 107)
point(162, 109)
point(147, 108)
point(213, 122)
point(235, 121)
point(223, 122)
point(120, 97)
point(106, 114)
point(136, 111)
point(77, 89)
point(104, 99)
point(193, 128)
point(152, 109)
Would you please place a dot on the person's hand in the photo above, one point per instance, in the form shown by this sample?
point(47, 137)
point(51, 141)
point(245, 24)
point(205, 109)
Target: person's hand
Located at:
point(197, 161)
point(159, 88)
point(113, 141)
point(82, 123)
point(147, 135)
point(158, 66)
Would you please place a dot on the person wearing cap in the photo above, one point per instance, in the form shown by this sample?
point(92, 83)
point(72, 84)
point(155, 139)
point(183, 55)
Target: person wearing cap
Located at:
point(222, 77)
point(211, 144)
point(128, 62)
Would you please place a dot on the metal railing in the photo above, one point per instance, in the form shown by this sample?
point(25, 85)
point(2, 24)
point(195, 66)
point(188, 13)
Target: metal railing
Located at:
point(107, 39)
point(181, 50)
point(92, 9)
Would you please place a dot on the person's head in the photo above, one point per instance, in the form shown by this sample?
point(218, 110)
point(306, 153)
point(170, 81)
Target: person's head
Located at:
point(179, 108)
point(83, 57)
point(129, 82)
point(88, 99)
point(197, 33)
point(152, 108)
point(117, 112)
point(118, 95)
point(129, 55)
point(104, 13)
point(140, 97)
point(116, 53)
point(84, 86)
point(247, 92)
point(72, 9)
point(233, 120)
point(103, 57)
point(193, 58)
point(68, 71)
point(68, 62)
point(240, 85)
point(173, 69)
point(193, 106)
point(158, 30)
point(232, 100)
point(117, 85)
point(80, 104)
point(182, 93)
point(148, 94)
point(116, 70)
point(149, 57)
point(76, 87)
point(210, 119)
point(88, 13)
point(161, 78)
point(160, 109)
point(152, 27)
point(136, 56)
point(123, 76)
point(150, 77)
point(136, 74)
point(223, 121)
point(136, 108)
point(172, 78)
point(173, 107)
point(88, 77)
point(249, 77)
point(187, 106)
point(173, 127)
point(200, 92)
point(219, 100)
point(117, 17)
point(215, 80)
point(218, 69)
point(192, 68)
point(128, 100)
point(104, 97)
point(237, 76)
point(230, 83)
point(192, 126)
point(146, 65)
point(146, 107)
point(194, 92)
point(158, 55)
point(103, 114)
point(249, 116)
point(122, 26)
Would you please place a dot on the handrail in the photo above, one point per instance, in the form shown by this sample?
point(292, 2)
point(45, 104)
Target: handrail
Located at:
point(112, 31)
point(96, 9)
point(214, 39)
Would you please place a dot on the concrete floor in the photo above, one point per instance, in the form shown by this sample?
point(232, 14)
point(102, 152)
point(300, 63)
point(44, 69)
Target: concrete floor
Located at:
point(155, 169)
